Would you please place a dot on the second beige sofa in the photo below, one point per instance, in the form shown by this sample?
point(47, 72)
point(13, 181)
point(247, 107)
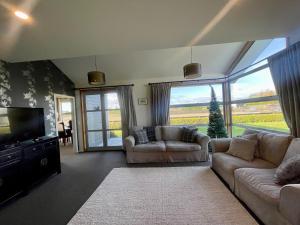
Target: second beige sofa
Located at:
point(253, 182)
point(167, 148)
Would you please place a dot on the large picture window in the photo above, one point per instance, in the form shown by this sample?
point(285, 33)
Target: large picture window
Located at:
point(252, 98)
point(189, 105)
point(254, 103)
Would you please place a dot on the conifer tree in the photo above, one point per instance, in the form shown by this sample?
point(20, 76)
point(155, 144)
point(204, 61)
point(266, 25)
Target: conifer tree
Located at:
point(216, 127)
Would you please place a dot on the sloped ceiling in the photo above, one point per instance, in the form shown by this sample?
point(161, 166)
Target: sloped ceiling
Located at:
point(76, 28)
point(159, 64)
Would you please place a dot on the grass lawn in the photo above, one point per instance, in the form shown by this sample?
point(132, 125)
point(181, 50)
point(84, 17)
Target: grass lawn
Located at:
point(271, 121)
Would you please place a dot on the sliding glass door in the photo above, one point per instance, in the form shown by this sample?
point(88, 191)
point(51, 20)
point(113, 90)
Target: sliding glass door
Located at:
point(102, 119)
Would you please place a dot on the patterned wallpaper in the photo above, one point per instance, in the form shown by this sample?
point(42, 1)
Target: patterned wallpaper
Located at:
point(33, 84)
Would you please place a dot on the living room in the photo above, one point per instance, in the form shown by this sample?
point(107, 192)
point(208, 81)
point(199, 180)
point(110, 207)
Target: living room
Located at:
point(149, 112)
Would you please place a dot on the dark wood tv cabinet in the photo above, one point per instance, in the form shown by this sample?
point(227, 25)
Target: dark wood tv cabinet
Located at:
point(25, 164)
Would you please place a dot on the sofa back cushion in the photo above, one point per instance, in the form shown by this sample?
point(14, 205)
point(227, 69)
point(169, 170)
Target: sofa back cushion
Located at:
point(252, 134)
point(242, 148)
point(272, 147)
point(250, 131)
point(158, 133)
point(171, 133)
point(293, 150)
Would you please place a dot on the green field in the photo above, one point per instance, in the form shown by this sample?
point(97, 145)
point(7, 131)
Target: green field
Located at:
point(265, 116)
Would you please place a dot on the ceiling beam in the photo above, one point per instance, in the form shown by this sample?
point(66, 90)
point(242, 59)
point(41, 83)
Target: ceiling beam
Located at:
point(239, 57)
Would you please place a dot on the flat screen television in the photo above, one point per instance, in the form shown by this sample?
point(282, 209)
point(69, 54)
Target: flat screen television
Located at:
point(21, 124)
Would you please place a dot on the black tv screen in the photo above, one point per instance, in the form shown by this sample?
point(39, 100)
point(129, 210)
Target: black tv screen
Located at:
point(21, 124)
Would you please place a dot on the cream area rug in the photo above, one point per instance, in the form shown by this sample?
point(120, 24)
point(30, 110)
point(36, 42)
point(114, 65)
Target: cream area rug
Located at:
point(158, 196)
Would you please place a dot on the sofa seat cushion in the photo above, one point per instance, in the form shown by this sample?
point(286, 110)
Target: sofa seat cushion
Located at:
point(157, 146)
point(179, 146)
point(225, 164)
point(260, 182)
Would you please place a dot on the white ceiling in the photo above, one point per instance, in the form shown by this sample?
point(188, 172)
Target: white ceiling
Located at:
point(74, 28)
point(152, 64)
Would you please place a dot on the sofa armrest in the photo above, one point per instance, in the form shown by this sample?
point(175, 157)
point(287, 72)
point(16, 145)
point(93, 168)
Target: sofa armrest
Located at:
point(289, 204)
point(202, 139)
point(129, 143)
point(220, 144)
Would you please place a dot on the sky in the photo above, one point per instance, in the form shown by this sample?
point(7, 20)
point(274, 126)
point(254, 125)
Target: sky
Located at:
point(241, 89)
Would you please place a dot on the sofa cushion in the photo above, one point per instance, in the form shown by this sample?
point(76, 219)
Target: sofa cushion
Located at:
point(171, 133)
point(179, 146)
point(242, 148)
point(250, 131)
point(272, 147)
point(140, 137)
point(260, 182)
point(294, 149)
point(150, 133)
point(158, 146)
point(158, 133)
point(252, 136)
point(288, 171)
point(225, 164)
point(188, 134)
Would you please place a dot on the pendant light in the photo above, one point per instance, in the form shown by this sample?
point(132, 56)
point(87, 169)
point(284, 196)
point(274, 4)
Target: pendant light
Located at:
point(192, 70)
point(96, 77)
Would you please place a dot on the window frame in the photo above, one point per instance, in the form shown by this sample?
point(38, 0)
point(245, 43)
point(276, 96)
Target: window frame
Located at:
point(227, 102)
point(200, 83)
point(248, 100)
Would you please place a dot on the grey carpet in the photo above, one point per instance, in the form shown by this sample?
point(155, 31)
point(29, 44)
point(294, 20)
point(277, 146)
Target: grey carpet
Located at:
point(56, 200)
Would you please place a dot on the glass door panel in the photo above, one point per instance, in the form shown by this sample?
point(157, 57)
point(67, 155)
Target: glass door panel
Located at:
point(93, 102)
point(94, 125)
point(95, 139)
point(103, 120)
point(113, 119)
point(114, 137)
point(94, 120)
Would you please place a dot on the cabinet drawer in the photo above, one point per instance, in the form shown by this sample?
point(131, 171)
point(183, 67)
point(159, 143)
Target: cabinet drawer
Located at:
point(10, 158)
point(33, 151)
point(50, 144)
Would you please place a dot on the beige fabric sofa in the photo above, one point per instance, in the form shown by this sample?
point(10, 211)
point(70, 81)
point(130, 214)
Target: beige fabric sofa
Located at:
point(167, 148)
point(252, 182)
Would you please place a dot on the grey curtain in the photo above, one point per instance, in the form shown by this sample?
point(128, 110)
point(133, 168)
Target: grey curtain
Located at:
point(127, 109)
point(285, 70)
point(160, 100)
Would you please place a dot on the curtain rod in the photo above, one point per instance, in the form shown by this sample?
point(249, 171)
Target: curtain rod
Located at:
point(188, 81)
point(103, 87)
